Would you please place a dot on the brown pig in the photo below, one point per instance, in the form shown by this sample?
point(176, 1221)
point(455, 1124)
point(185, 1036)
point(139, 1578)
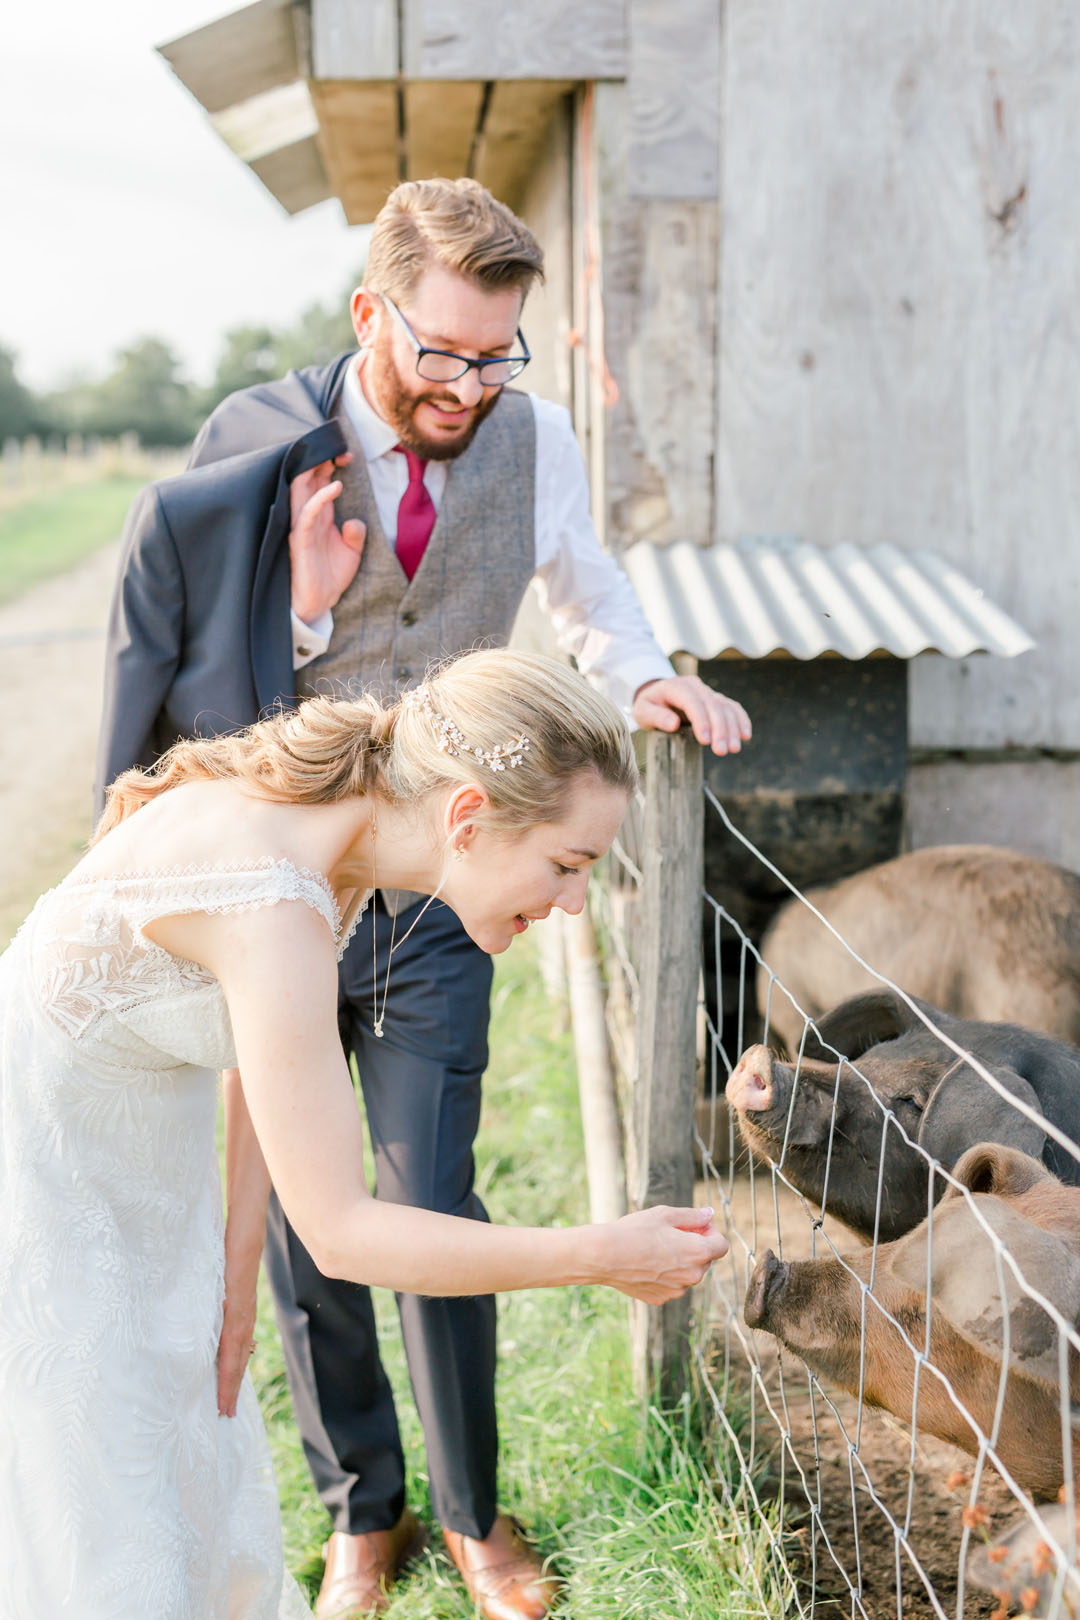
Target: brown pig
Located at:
point(977, 1315)
point(985, 933)
point(911, 1098)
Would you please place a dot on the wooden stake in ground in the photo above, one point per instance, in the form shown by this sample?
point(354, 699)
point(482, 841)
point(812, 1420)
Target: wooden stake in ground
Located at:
point(670, 953)
point(596, 1082)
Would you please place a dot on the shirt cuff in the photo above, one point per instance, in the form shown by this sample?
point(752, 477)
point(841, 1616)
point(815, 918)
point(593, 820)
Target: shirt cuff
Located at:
point(625, 679)
point(309, 640)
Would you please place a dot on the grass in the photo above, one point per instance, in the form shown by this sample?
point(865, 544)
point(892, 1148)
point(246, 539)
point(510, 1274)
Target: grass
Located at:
point(625, 1501)
point(46, 534)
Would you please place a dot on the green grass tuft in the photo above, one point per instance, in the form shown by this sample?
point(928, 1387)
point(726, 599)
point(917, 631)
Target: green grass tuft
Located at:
point(46, 534)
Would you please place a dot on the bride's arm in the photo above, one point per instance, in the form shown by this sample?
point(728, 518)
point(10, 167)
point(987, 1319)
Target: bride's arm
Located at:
point(279, 975)
point(247, 1188)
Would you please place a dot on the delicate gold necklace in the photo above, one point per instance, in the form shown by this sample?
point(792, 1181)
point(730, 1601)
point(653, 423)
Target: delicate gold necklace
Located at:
point(378, 1016)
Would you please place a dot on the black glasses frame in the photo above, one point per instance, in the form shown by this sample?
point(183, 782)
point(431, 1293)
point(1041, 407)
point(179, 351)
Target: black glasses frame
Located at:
point(516, 362)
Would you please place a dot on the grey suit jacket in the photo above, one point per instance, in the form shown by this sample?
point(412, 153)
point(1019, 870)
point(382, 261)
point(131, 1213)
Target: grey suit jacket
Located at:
point(199, 637)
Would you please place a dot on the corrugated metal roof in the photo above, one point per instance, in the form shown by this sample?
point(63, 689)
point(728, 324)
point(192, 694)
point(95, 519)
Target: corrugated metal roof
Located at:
point(779, 594)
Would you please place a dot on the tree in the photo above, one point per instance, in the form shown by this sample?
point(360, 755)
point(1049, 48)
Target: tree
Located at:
point(322, 332)
point(144, 394)
point(20, 412)
point(250, 356)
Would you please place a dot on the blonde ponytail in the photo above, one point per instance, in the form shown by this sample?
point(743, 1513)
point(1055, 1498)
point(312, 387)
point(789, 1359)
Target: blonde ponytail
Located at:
point(323, 751)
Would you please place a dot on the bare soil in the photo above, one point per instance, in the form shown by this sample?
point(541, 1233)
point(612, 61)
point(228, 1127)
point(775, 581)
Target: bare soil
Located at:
point(52, 650)
point(853, 1547)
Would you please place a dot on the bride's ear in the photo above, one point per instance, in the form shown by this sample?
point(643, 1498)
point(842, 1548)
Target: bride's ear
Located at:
point(463, 806)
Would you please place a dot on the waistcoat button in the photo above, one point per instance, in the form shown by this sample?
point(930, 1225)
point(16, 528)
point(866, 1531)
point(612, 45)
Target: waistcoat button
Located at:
point(408, 617)
point(403, 672)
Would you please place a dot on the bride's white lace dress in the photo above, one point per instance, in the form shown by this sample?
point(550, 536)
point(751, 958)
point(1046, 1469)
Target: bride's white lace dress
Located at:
point(123, 1494)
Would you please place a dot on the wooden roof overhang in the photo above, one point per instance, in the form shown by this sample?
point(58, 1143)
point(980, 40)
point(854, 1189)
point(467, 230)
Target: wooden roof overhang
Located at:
point(345, 98)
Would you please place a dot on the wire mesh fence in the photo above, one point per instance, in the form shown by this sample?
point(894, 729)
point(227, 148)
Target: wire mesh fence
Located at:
point(890, 1347)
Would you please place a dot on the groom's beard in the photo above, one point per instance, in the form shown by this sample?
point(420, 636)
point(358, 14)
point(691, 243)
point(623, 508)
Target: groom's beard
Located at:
point(397, 405)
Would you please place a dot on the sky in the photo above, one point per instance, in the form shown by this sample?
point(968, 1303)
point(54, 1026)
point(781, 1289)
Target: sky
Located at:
point(122, 214)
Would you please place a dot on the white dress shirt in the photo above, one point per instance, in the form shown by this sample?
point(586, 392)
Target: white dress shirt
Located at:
point(591, 603)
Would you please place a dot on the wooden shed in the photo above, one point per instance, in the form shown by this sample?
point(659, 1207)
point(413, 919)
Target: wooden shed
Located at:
point(813, 271)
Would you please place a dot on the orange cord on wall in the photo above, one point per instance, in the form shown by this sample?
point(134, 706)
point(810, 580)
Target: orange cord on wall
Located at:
point(591, 339)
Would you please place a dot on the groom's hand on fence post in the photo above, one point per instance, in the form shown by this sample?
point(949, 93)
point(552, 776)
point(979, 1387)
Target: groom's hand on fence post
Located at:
point(718, 722)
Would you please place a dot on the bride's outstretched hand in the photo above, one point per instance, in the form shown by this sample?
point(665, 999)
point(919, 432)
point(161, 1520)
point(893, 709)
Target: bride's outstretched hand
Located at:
point(657, 1254)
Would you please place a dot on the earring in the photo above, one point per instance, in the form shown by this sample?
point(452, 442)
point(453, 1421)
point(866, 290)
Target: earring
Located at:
point(459, 852)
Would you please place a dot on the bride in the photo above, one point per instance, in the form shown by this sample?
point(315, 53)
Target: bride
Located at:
point(202, 934)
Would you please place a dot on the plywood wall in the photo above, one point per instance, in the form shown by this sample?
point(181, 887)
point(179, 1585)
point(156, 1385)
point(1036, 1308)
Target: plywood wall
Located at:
point(899, 315)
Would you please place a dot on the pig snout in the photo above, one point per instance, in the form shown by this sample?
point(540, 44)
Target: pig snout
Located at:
point(750, 1087)
point(766, 1285)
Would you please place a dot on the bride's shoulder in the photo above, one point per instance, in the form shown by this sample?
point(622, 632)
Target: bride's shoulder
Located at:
point(197, 826)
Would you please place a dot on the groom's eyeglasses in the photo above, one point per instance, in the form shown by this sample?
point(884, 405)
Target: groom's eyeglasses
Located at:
point(439, 365)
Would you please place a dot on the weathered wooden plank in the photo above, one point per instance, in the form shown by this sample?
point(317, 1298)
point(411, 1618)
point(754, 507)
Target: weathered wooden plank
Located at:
point(355, 39)
point(545, 205)
point(675, 88)
point(521, 121)
point(596, 1082)
point(440, 127)
point(514, 39)
point(665, 1085)
point(263, 123)
point(295, 175)
point(660, 267)
point(238, 56)
point(358, 141)
point(900, 326)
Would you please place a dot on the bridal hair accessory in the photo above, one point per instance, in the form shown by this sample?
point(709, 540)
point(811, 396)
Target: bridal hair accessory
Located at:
point(452, 740)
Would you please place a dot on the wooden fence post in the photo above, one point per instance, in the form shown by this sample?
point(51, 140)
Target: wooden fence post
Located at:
point(596, 1082)
point(665, 1084)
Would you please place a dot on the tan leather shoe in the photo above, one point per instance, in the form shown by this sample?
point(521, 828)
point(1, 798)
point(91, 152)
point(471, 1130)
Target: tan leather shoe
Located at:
point(360, 1569)
point(504, 1576)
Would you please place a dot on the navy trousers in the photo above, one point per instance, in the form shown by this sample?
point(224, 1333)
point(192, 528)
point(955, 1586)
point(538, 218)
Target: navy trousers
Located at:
point(421, 1086)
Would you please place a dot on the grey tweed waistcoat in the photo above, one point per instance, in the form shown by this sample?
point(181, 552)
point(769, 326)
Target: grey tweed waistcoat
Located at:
point(472, 576)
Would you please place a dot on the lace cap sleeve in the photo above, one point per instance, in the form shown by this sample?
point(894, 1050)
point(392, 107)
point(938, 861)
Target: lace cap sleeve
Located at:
point(211, 888)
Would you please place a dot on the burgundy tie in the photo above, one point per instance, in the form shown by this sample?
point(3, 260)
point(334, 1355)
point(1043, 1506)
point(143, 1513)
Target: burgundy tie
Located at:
point(416, 516)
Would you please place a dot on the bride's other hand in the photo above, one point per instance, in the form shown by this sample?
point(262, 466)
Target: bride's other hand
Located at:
point(247, 1188)
point(234, 1350)
point(657, 1254)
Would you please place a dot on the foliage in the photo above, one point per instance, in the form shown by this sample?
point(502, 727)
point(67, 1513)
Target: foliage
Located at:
point(248, 357)
point(20, 412)
point(45, 534)
point(146, 393)
point(323, 331)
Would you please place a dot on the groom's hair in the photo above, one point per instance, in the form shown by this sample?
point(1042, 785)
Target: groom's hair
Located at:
point(457, 224)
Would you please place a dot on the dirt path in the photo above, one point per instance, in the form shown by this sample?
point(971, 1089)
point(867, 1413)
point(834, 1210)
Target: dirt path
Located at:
point(52, 645)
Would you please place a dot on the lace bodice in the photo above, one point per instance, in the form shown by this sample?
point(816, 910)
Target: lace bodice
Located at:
point(128, 1002)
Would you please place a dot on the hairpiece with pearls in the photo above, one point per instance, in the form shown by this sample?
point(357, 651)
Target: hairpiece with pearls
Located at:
point(452, 741)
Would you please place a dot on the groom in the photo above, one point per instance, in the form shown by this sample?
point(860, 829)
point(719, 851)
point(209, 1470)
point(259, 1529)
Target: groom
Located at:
point(346, 526)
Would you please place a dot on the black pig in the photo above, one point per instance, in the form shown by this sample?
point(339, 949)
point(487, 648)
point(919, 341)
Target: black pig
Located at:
point(939, 1100)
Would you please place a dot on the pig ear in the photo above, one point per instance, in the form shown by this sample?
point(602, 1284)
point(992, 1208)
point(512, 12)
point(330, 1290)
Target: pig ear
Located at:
point(991, 1168)
point(860, 1023)
point(967, 1285)
point(962, 1110)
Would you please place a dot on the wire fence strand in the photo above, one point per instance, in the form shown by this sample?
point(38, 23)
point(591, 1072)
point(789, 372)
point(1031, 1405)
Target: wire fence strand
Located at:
point(863, 1513)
